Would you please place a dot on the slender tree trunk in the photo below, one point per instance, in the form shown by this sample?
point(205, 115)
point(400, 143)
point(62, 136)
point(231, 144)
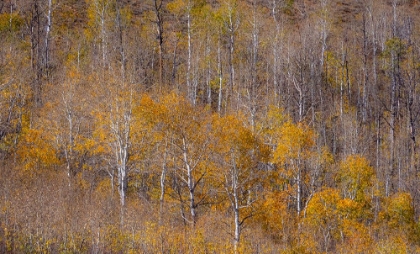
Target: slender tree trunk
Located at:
point(162, 183)
point(120, 123)
point(299, 192)
point(36, 56)
point(47, 37)
point(190, 182)
point(219, 68)
point(324, 31)
point(231, 45)
point(69, 144)
point(365, 71)
point(236, 208)
point(208, 73)
point(191, 89)
point(237, 237)
point(121, 41)
point(275, 57)
point(392, 125)
point(159, 27)
point(254, 71)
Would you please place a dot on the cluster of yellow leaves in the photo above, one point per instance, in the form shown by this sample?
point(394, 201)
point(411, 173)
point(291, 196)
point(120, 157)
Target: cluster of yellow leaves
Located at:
point(322, 209)
point(10, 22)
point(178, 6)
point(337, 219)
point(276, 217)
point(355, 177)
point(35, 149)
point(231, 133)
point(398, 218)
point(101, 135)
point(295, 142)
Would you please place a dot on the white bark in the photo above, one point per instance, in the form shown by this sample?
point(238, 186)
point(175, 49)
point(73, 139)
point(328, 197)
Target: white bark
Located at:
point(219, 67)
point(190, 181)
point(191, 90)
point(236, 210)
point(68, 149)
point(162, 182)
point(121, 118)
point(47, 36)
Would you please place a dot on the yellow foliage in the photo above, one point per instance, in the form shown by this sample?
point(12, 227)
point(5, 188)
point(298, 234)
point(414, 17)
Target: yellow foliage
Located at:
point(149, 112)
point(177, 6)
point(295, 142)
point(276, 217)
point(275, 119)
point(339, 219)
point(234, 141)
point(355, 177)
point(322, 208)
point(231, 132)
point(84, 144)
point(100, 15)
point(10, 22)
point(399, 212)
point(35, 149)
point(356, 238)
point(395, 245)
point(349, 209)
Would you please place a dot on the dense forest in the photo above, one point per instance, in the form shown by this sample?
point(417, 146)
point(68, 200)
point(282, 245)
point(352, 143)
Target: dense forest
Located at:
point(209, 126)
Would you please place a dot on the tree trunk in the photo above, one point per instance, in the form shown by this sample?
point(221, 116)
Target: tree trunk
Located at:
point(219, 69)
point(190, 183)
point(159, 25)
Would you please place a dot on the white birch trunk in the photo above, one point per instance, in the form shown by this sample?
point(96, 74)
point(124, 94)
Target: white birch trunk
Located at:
point(190, 182)
point(47, 36)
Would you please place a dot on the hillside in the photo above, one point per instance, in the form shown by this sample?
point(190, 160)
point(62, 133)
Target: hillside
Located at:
point(195, 126)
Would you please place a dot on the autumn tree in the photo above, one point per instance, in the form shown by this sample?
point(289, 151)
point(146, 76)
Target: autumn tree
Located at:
point(238, 153)
point(190, 151)
point(293, 150)
point(398, 222)
point(321, 214)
